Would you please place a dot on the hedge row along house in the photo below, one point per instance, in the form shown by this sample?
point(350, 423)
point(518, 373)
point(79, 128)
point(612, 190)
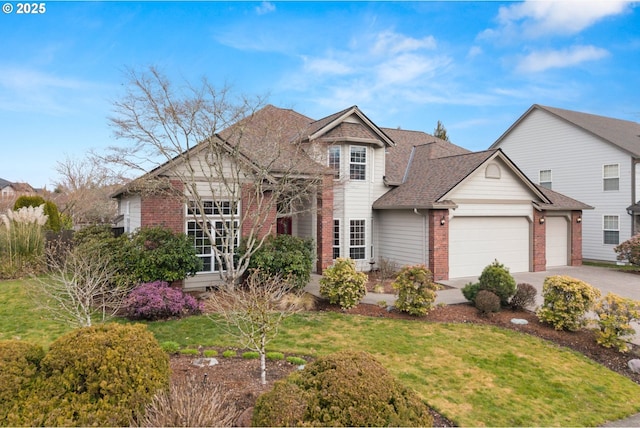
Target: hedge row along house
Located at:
point(360, 191)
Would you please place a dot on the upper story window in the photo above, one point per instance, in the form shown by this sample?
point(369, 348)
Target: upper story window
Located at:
point(545, 178)
point(334, 160)
point(611, 177)
point(611, 229)
point(358, 163)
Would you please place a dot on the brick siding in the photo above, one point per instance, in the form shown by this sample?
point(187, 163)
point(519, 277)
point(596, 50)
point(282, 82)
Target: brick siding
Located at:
point(576, 238)
point(324, 238)
point(539, 244)
point(439, 244)
point(164, 208)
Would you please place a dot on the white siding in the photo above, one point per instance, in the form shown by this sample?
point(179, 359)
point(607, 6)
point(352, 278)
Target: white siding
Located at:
point(402, 237)
point(576, 158)
point(353, 199)
point(477, 186)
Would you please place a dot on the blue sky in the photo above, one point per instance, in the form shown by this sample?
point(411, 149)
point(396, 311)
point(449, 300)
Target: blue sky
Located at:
point(475, 66)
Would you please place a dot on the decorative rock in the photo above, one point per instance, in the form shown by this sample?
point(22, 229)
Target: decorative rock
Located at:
point(519, 321)
point(201, 362)
point(634, 365)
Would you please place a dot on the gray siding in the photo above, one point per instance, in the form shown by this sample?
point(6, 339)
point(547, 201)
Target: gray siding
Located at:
point(576, 158)
point(402, 237)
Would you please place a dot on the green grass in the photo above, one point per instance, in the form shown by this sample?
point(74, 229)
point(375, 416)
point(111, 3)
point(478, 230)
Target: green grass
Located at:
point(475, 375)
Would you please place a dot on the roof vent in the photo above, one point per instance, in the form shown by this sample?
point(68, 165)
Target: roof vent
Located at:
point(492, 171)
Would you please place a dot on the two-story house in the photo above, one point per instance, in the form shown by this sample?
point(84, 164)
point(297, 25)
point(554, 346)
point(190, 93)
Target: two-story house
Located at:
point(588, 157)
point(393, 194)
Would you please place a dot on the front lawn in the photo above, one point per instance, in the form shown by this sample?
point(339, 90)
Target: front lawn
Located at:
point(474, 375)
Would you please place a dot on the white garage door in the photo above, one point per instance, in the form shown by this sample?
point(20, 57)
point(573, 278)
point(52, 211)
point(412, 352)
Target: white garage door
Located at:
point(557, 241)
point(475, 242)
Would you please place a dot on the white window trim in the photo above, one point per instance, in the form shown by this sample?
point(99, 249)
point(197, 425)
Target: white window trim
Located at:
point(339, 245)
point(364, 244)
point(339, 171)
point(212, 220)
point(610, 178)
point(604, 229)
point(365, 163)
point(550, 181)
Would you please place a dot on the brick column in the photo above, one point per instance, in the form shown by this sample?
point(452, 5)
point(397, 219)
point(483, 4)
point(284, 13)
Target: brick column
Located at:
point(539, 243)
point(439, 244)
point(576, 238)
point(324, 236)
point(164, 208)
point(259, 212)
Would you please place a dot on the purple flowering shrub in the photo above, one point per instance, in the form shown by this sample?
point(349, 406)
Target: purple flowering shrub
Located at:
point(156, 300)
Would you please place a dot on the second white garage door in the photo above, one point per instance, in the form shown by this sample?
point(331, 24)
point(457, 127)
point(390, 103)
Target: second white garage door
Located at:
point(475, 242)
point(557, 241)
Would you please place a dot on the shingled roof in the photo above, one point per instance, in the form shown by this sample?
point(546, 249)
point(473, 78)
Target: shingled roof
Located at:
point(624, 134)
point(428, 179)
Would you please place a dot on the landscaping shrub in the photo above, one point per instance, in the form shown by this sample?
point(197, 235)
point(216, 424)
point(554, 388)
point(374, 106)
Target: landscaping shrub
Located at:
point(629, 250)
point(416, 290)
point(191, 402)
point(150, 254)
point(159, 254)
point(157, 300)
point(487, 302)
point(615, 315)
point(566, 301)
point(19, 364)
point(95, 376)
point(495, 278)
point(286, 256)
point(343, 389)
point(525, 296)
point(275, 356)
point(342, 284)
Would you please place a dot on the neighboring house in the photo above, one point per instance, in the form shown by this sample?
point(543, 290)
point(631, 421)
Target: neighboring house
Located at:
point(10, 190)
point(591, 158)
point(404, 196)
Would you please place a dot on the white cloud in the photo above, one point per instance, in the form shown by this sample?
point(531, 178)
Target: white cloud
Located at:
point(544, 60)
point(24, 89)
point(391, 43)
point(534, 18)
point(265, 7)
point(409, 68)
point(325, 66)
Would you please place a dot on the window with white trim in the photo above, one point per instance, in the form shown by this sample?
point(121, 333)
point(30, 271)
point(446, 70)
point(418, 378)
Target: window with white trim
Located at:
point(336, 238)
point(358, 163)
point(334, 160)
point(611, 229)
point(224, 226)
point(545, 178)
point(357, 239)
point(611, 177)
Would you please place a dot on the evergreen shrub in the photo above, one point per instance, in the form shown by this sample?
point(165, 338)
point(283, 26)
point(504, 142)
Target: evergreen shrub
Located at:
point(342, 284)
point(495, 278)
point(95, 376)
point(19, 365)
point(566, 301)
point(343, 389)
point(615, 315)
point(416, 290)
point(286, 256)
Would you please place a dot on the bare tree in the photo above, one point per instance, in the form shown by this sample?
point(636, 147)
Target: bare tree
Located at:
point(254, 312)
point(79, 287)
point(215, 152)
point(83, 190)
